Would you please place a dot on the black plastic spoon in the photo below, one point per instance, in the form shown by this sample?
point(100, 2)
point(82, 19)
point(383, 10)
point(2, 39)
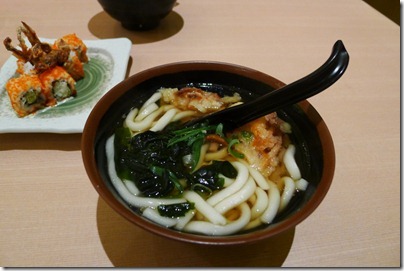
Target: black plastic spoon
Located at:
point(308, 86)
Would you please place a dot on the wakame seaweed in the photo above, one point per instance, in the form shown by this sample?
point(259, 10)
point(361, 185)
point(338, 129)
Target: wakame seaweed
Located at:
point(149, 162)
point(175, 210)
point(208, 176)
point(154, 162)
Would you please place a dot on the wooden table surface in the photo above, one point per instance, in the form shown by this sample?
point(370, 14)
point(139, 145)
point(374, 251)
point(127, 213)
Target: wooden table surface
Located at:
point(50, 214)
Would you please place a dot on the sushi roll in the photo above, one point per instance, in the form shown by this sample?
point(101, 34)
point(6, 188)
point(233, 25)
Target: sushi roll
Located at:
point(26, 94)
point(74, 67)
point(77, 46)
point(78, 54)
point(58, 85)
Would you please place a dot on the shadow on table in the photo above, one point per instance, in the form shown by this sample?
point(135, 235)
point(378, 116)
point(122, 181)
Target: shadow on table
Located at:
point(130, 246)
point(40, 141)
point(104, 26)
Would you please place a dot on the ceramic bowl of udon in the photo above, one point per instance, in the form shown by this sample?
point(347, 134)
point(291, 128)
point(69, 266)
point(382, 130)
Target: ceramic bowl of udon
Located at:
point(314, 150)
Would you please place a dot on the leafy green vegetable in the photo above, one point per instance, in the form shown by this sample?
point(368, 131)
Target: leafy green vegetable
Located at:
point(196, 152)
point(175, 181)
point(194, 137)
point(247, 135)
point(146, 160)
point(122, 137)
point(190, 134)
point(233, 152)
point(225, 168)
point(175, 210)
point(202, 190)
point(219, 130)
point(159, 162)
point(122, 145)
point(208, 176)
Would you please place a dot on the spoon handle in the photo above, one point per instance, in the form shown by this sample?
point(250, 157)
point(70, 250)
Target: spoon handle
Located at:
point(310, 85)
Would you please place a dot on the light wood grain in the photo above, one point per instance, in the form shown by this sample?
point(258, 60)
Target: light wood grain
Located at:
point(52, 216)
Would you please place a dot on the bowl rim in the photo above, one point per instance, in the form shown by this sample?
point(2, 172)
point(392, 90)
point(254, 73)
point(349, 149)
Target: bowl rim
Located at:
point(102, 106)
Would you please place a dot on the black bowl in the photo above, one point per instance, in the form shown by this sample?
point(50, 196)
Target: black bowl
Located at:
point(314, 146)
point(138, 14)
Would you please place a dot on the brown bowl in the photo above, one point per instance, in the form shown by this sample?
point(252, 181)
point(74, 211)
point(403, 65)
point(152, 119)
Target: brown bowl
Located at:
point(314, 146)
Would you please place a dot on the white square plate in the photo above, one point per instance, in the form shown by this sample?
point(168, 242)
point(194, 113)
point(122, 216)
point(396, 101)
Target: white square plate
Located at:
point(108, 61)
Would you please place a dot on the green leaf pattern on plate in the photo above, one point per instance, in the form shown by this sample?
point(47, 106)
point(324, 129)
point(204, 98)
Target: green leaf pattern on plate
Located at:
point(97, 73)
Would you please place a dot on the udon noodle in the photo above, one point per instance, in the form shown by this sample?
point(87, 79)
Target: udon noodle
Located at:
point(254, 196)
